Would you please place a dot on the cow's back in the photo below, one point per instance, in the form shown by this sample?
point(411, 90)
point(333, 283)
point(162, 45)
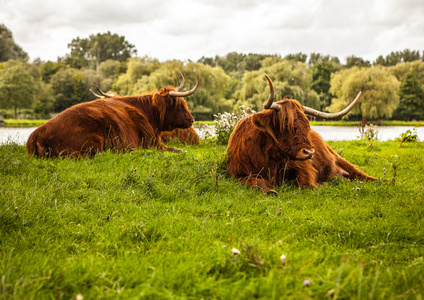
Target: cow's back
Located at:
point(90, 127)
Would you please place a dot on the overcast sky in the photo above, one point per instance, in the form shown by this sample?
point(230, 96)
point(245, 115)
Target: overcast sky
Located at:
point(190, 29)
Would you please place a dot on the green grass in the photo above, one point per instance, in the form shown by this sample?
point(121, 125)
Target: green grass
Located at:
point(152, 225)
point(23, 123)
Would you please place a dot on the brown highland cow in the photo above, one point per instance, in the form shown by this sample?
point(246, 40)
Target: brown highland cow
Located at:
point(277, 145)
point(121, 123)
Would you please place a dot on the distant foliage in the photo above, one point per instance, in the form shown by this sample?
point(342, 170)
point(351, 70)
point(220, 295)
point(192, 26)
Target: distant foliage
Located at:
point(145, 74)
point(71, 86)
point(225, 123)
point(411, 94)
point(290, 78)
point(379, 89)
point(397, 57)
point(90, 52)
point(392, 88)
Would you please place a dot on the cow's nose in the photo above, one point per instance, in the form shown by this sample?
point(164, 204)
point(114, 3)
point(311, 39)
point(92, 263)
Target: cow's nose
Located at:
point(306, 153)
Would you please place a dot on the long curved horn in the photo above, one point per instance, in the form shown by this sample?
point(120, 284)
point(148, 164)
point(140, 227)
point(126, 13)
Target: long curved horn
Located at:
point(270, 102)
point(323, 115)
point(182, 83)
point(185, 94)
point(98, 96)
point(104, 94)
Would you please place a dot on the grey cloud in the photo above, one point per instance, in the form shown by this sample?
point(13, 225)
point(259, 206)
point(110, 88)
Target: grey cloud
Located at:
point(188, 29)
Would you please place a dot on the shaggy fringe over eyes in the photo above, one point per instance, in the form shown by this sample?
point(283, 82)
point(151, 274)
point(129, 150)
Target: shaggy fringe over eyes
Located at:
point(287, 114)
point(161, 97)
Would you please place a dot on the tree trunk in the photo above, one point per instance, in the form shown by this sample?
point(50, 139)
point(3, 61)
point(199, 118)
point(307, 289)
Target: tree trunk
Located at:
point(16, 112)
point(364, 121)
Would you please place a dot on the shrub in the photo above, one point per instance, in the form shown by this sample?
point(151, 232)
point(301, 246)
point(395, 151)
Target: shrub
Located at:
point(407, 137)
point(369, 132)
point(225, 123)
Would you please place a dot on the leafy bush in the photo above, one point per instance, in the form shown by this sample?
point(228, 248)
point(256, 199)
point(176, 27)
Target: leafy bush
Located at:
point(407, 137)
point(369, 132)
point(225, 123)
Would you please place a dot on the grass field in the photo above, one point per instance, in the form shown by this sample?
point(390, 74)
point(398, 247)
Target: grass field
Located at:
point(154, 225)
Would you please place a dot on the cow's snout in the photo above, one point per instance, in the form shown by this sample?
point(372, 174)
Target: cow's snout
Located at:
point(305, 154)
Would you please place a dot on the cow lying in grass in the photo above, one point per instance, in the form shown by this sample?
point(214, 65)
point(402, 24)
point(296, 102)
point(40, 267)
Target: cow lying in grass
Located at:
point(119, 123)
point(277, 145)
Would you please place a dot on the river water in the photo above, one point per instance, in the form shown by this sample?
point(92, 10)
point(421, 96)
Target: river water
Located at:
point(20, 135)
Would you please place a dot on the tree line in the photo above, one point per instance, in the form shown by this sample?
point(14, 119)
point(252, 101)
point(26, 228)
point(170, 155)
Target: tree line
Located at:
point(392, 86)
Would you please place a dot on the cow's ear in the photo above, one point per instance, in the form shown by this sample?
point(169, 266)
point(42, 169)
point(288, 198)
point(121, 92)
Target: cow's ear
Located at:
point(261, 121)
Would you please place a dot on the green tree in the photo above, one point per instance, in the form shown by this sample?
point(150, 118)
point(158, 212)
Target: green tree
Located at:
point(44, 101)
point(17, 88)
point(48, 69)
point(315, 58)
point(354, 61)
point(111, 68)
point(322, 70)
point(297, 57)
point(321, 76)
point(207, 61)
point(397, 57)
point(71, 86)
point(235, 64)
point(380, 61)
point(411, 94)
point(213, 95)
point(137, 69)
point(379, 92)
point(8, 48)
point(62, 85)
point(98, 48)
point(402, 69)
point(291, 78)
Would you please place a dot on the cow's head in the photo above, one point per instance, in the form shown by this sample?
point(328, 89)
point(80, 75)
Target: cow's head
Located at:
point(285, 121)
point(173, 109)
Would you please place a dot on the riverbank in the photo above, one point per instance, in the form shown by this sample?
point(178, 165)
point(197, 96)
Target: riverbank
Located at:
point(36, 123)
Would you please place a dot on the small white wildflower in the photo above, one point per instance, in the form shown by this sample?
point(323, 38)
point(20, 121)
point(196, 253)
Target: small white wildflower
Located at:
point(235, 251)
point(283, 259)
point(306, 282)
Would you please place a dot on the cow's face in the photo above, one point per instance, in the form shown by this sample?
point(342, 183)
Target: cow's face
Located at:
point(177, 114)
point(172, 107)
point(288, 128)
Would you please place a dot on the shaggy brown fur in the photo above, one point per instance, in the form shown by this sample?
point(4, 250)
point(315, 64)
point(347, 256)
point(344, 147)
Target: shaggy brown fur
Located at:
point(271, 147)
point(187, 136)
point(122, 123)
